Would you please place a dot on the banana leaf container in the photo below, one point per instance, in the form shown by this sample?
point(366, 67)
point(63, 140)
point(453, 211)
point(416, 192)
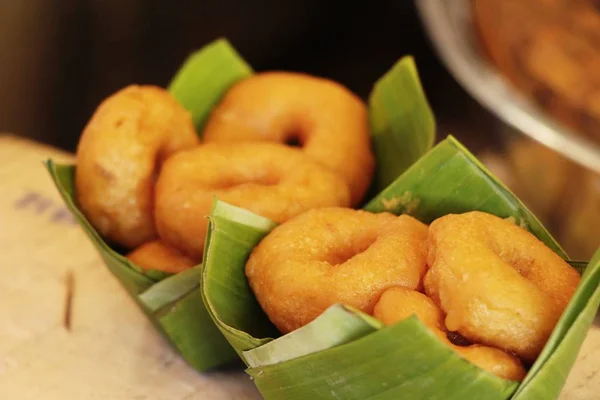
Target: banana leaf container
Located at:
point(402, 128)
point(346, 354)
point(211, 316)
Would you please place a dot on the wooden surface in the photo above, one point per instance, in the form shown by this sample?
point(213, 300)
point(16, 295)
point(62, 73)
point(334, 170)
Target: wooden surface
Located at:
point(107, 350)
point(110, 352)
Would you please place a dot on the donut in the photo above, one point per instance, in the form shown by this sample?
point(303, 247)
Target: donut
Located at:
point(334, 255)
point(118, 155)
point(157, 256)
point(496, 282)
point(269, 179)
point(322, 117)
point(398, 303)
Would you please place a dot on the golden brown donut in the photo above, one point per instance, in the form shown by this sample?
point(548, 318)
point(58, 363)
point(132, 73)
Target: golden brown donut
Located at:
point(497, 283)
point(156, 255)
point(398, 303)
point(268, 179)
point(328, 121)
point(334, 255)
point(119, 153)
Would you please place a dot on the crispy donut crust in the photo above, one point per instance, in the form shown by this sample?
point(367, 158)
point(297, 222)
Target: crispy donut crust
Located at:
point(269, 179)
point(497, 283)
point(118, 156)
point(329, 122)
point(334, 255)
point(398, 303)
point(156, 255)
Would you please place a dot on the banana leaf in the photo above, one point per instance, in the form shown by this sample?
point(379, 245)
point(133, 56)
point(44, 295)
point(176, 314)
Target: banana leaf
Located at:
point(337, 325)
point(205, 77)
point(548, 375)
point(402, 131)
point(344, 353)
point(173, 303)
point(129, 274)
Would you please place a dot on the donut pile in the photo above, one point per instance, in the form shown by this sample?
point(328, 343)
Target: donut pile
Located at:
point(486, 287)
point(296, 149)
point(278, 144)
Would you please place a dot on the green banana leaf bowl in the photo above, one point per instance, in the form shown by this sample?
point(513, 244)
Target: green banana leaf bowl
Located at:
point(211, 316)
point(174, 303)
point(345, 354)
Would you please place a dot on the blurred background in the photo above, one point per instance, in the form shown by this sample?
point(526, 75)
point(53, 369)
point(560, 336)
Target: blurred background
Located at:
point(61, 58)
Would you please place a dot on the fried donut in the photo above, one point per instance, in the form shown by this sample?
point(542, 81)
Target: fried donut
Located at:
point(268, 179)
point(497, 283)
point(120, 151)
point(156, 255)
point(334, 255)
point(327, 120)
point(398, 303)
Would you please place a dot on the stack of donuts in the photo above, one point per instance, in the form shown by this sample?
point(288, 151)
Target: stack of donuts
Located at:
point(277, 144)
point(296, 149)
point(484, 286)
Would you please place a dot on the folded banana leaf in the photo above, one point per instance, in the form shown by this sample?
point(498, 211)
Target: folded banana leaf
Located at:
point(402, 124)
point(345, 354)
point(174, 303)
point(205, 77)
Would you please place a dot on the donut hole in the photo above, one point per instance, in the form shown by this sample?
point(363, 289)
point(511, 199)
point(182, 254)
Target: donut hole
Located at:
point(522, 265)
point(294, 139)
point(348, 250)
point(519, 261)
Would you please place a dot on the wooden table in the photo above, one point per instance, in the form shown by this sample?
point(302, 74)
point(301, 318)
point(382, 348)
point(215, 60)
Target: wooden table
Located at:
point(103, 347)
